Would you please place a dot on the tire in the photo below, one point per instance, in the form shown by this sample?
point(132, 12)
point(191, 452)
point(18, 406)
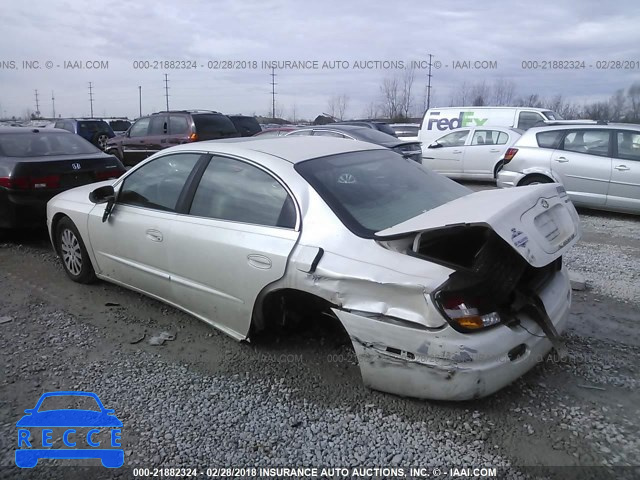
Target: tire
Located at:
point(100, 140)
point(535, 180)
point(73, 253)
point(497, 168)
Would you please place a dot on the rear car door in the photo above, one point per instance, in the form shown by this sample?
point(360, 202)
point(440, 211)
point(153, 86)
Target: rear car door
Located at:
point(624, 188)
point(485, 150)
point(134, 148)
point(241, 227)
point(158, 133)
point(132, 246)
point(583, 164)
point(445, 155)
point(179, 128)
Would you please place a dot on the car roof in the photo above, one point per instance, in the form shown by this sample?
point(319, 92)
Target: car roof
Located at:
point(337, 126)
point(289, 149)
point(25, 130)
point(586, 126)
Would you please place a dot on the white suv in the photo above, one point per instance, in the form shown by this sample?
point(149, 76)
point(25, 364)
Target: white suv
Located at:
point(599, 165)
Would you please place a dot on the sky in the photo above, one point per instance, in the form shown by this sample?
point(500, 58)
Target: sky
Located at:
point(120, 46)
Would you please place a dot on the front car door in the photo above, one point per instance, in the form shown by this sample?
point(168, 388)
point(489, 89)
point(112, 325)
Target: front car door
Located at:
point(446, 153)
point(134, 148)
point(484, 152)
point(624, 189)
point(240, 229)
point(132, 246)
point(583, 164)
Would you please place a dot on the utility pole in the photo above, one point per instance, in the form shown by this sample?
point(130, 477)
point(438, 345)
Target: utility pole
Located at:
point(273, 93)
point(166, 89)
point(37, 105)
point(140, 101)
point(429, 84)
point(91, 97)
point(53, 104)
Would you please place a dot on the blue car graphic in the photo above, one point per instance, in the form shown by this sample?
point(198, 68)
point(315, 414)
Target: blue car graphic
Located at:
point(69, 418)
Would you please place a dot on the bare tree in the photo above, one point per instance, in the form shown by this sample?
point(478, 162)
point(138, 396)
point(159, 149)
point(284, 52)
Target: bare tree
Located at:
point(598, 111)
point(634, 97)
point(479, 94)
point(502, 92)
point(390, 98)
point(342, 104)
point(618, 105)
point(406, 95)
point(332, 105)
point(461, 97)
point(372, 110)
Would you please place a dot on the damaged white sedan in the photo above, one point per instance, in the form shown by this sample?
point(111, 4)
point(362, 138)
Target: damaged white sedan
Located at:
point(445, 293)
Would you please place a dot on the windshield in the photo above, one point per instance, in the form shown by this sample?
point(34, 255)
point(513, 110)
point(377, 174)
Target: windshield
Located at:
point(69, 402)
point(377, 189)
point(120, 125)
point(44, 144)
point(551, 115)
point(212, 124)
point(373, 136)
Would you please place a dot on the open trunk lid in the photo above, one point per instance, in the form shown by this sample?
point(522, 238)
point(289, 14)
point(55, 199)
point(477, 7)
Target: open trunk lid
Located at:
point(539, 222)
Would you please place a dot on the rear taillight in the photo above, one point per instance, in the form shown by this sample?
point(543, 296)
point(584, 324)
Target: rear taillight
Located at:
point(467, 313)
point(193, 137)
point(30, 183)
point(108, 174)
point(509, 154)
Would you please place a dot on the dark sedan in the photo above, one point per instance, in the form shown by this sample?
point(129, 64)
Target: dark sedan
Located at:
point(36, 165)
point(410, 150)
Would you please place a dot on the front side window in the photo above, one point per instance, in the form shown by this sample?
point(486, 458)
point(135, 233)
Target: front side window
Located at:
point(455, 139)
point(373, 190)
point(159, 183)
point(527, 120)
point(140, 128)
point(590, 142)
point(237, 191)
point(629, 145)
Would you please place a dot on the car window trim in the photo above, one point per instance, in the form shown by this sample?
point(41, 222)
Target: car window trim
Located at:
point(195, 182)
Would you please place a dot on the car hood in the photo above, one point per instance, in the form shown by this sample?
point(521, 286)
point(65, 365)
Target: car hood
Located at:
point(69, 418)
point(537, 221)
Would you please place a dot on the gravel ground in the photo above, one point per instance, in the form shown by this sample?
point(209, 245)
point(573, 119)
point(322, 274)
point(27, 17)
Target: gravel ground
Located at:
point(203, 400)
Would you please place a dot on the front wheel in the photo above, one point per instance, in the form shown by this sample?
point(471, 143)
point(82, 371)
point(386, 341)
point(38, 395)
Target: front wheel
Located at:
point(74, 256)
point(535, 180)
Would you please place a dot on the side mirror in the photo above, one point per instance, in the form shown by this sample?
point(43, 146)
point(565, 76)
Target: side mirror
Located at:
point(102, 194)
point(435, 145)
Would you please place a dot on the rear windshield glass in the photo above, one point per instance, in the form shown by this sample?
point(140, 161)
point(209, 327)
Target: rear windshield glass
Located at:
point(406, 131)
point(246, 124)
point(211, 124)
point(384, 127)
point(373, 136)
point(94, 126)
point(120, 125)
point(374, 190)
point(43, 144)
point(551, 115)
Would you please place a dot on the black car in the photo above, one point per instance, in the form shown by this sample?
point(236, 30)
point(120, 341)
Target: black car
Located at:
point(246, 126)
point(374, 124)
point(36, 164)
point(94, 130)
point(410, 150)
point(161, 130)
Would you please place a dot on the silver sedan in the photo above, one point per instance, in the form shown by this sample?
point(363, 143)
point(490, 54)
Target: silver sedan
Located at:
point(445, 293)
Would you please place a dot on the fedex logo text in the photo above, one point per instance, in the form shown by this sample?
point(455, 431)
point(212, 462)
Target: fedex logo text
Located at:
point(465, 119)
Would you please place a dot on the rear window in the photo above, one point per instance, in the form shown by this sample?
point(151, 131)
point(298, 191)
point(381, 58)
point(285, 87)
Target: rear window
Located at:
point(549, 139)
point(551, 115)
point(120, 125)
point(406, 131)
point(383, 127)
point(377, 189)
point(373, 136)
point(210, 124)
point(43, 144)
point(93, 126)
point(246, 125)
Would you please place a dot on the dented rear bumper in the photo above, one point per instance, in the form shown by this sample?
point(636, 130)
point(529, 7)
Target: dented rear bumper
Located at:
point(444, 364)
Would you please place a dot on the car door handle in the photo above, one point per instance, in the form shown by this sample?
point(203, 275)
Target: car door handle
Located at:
point(457, 151)
point(259, 261)
point(562, 160)
point(154, 235)
point(621, 167)
point(494, 150)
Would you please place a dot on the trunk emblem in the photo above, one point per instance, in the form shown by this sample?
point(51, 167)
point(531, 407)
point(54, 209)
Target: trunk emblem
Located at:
point(518, 238)
point(544, 204)
point(76, 166)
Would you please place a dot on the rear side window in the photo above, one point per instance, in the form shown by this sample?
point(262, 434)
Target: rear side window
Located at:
point(246, 126)
point(629, 145)
point(549, 139)
point(239, 192)
point(590, 142)
point(178, 124)
point(158, 184)
point(489, 137)
point(211, 124)
point(158, 125)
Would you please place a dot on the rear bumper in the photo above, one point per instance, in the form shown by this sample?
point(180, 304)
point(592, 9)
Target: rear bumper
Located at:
point(24, 209)
point(449, 365)
point(506, 179)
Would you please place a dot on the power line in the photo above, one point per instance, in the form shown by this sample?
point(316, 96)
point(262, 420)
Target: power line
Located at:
point(91, 98)
point(166, 89)
point(273, 93)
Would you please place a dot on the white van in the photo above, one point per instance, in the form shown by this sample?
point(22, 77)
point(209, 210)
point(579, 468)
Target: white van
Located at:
point(440, 121)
